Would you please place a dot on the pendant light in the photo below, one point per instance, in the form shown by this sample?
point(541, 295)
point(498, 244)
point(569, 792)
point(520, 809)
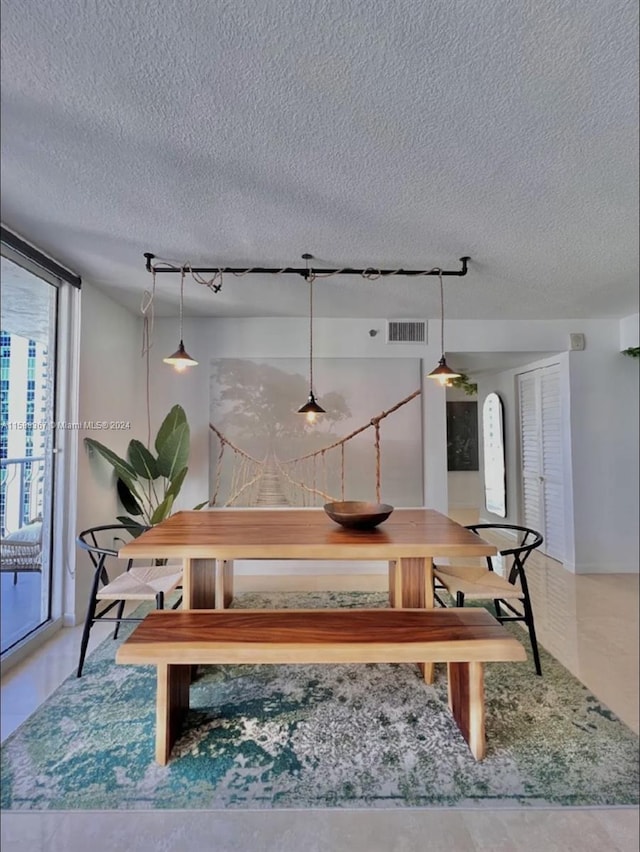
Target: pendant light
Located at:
point(442, 373)
point(180, 359)
point(311, 407)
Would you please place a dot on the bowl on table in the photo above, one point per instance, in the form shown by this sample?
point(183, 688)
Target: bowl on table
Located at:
point(358, 514)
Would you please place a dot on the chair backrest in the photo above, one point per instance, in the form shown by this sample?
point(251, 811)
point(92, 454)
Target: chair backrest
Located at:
point(98, 543)
point(528, 540)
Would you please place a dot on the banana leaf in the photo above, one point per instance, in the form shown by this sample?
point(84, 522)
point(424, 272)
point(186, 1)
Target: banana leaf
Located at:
point(174, 452)
point(162, 510)
point(129, 502)
point(142, 461)
point(176, 482)
point(122, 468)
point(174, 419)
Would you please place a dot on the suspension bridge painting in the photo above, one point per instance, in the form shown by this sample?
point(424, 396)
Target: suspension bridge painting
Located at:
point(367, 446)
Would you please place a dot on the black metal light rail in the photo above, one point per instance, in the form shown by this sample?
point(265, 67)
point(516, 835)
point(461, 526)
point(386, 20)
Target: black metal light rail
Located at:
point(369, 272)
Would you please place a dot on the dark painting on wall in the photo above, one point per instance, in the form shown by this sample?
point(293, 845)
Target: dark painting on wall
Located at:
point(462, 436)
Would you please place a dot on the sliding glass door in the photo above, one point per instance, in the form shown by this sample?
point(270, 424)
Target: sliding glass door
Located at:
point(27, 443)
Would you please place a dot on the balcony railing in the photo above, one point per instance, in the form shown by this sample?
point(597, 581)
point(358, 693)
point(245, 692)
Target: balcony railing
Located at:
point(21, 491)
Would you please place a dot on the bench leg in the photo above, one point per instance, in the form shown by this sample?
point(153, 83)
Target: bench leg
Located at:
point(466, 702)
point(411, 586)
point(172, 703)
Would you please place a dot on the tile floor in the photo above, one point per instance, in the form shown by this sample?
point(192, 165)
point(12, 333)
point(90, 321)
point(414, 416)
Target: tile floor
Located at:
point(590, 623)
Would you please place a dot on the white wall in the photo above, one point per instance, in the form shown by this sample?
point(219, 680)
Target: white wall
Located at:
point(601, 439)
point(527, 335)
point(465, 489)
point(110, 382)
point(630, 332)
point(604, 437)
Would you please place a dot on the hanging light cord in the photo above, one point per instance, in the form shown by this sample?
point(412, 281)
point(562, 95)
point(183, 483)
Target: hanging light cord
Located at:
point(311, 277)
point(147, 308)
point(181, 299)
point(441, 313)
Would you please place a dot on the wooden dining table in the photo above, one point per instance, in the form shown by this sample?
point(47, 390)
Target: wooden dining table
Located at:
point(209, 541)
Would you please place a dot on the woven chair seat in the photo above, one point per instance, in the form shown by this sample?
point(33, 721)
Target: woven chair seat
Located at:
point(142, 583)
point(476, 583)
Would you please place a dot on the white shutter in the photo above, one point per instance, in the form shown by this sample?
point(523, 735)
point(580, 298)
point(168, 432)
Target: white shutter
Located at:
point(530, 451)
point(541, 456)
point(552, 461)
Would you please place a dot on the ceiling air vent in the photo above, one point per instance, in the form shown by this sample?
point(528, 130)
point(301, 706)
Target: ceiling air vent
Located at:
point(406, 331)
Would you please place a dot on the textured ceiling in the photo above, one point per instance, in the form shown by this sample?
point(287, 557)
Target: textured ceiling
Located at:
point(367, 132)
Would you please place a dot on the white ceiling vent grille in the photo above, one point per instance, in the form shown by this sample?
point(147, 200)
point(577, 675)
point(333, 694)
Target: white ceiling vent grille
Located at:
point(406, 331)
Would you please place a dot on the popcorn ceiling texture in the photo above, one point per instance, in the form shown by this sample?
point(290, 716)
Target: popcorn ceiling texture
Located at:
point(369, 133)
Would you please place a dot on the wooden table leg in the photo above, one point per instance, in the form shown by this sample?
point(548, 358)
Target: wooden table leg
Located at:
point(466, 701)
point(395, 585)
point(199, 584)
point(172, 704)
point(224, 583)
point(411, 585)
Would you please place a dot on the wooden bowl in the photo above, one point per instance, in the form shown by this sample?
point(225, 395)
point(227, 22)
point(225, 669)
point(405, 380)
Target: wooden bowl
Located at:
point(358, 514)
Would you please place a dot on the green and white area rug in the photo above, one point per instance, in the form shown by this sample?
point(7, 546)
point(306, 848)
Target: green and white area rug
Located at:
point(318, 736)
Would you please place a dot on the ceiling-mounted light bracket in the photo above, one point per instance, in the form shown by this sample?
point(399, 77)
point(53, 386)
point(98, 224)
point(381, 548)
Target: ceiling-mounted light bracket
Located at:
point(306, 272)
point(368, 272)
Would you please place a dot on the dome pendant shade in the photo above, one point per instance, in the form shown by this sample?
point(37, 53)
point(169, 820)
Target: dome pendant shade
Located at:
point(311, 406)
point(180, 359)
point(443, 373)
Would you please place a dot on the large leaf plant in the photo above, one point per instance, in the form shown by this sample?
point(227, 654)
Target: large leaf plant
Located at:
point(148, 484)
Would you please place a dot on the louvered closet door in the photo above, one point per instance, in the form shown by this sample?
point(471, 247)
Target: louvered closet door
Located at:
point(530, 451)
point(541, 454)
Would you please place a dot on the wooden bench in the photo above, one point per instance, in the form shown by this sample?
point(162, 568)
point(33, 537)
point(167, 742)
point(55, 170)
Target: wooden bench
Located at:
point(174, 641)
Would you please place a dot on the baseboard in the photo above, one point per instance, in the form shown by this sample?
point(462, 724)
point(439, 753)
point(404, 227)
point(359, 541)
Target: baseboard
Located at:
point(599, 568)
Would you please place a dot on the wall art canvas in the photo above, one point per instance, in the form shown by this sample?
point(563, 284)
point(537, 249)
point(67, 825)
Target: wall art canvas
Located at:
point(263, 453)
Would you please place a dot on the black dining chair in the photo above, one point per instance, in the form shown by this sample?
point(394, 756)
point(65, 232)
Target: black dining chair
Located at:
point(479, 583)
point(114, 586)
